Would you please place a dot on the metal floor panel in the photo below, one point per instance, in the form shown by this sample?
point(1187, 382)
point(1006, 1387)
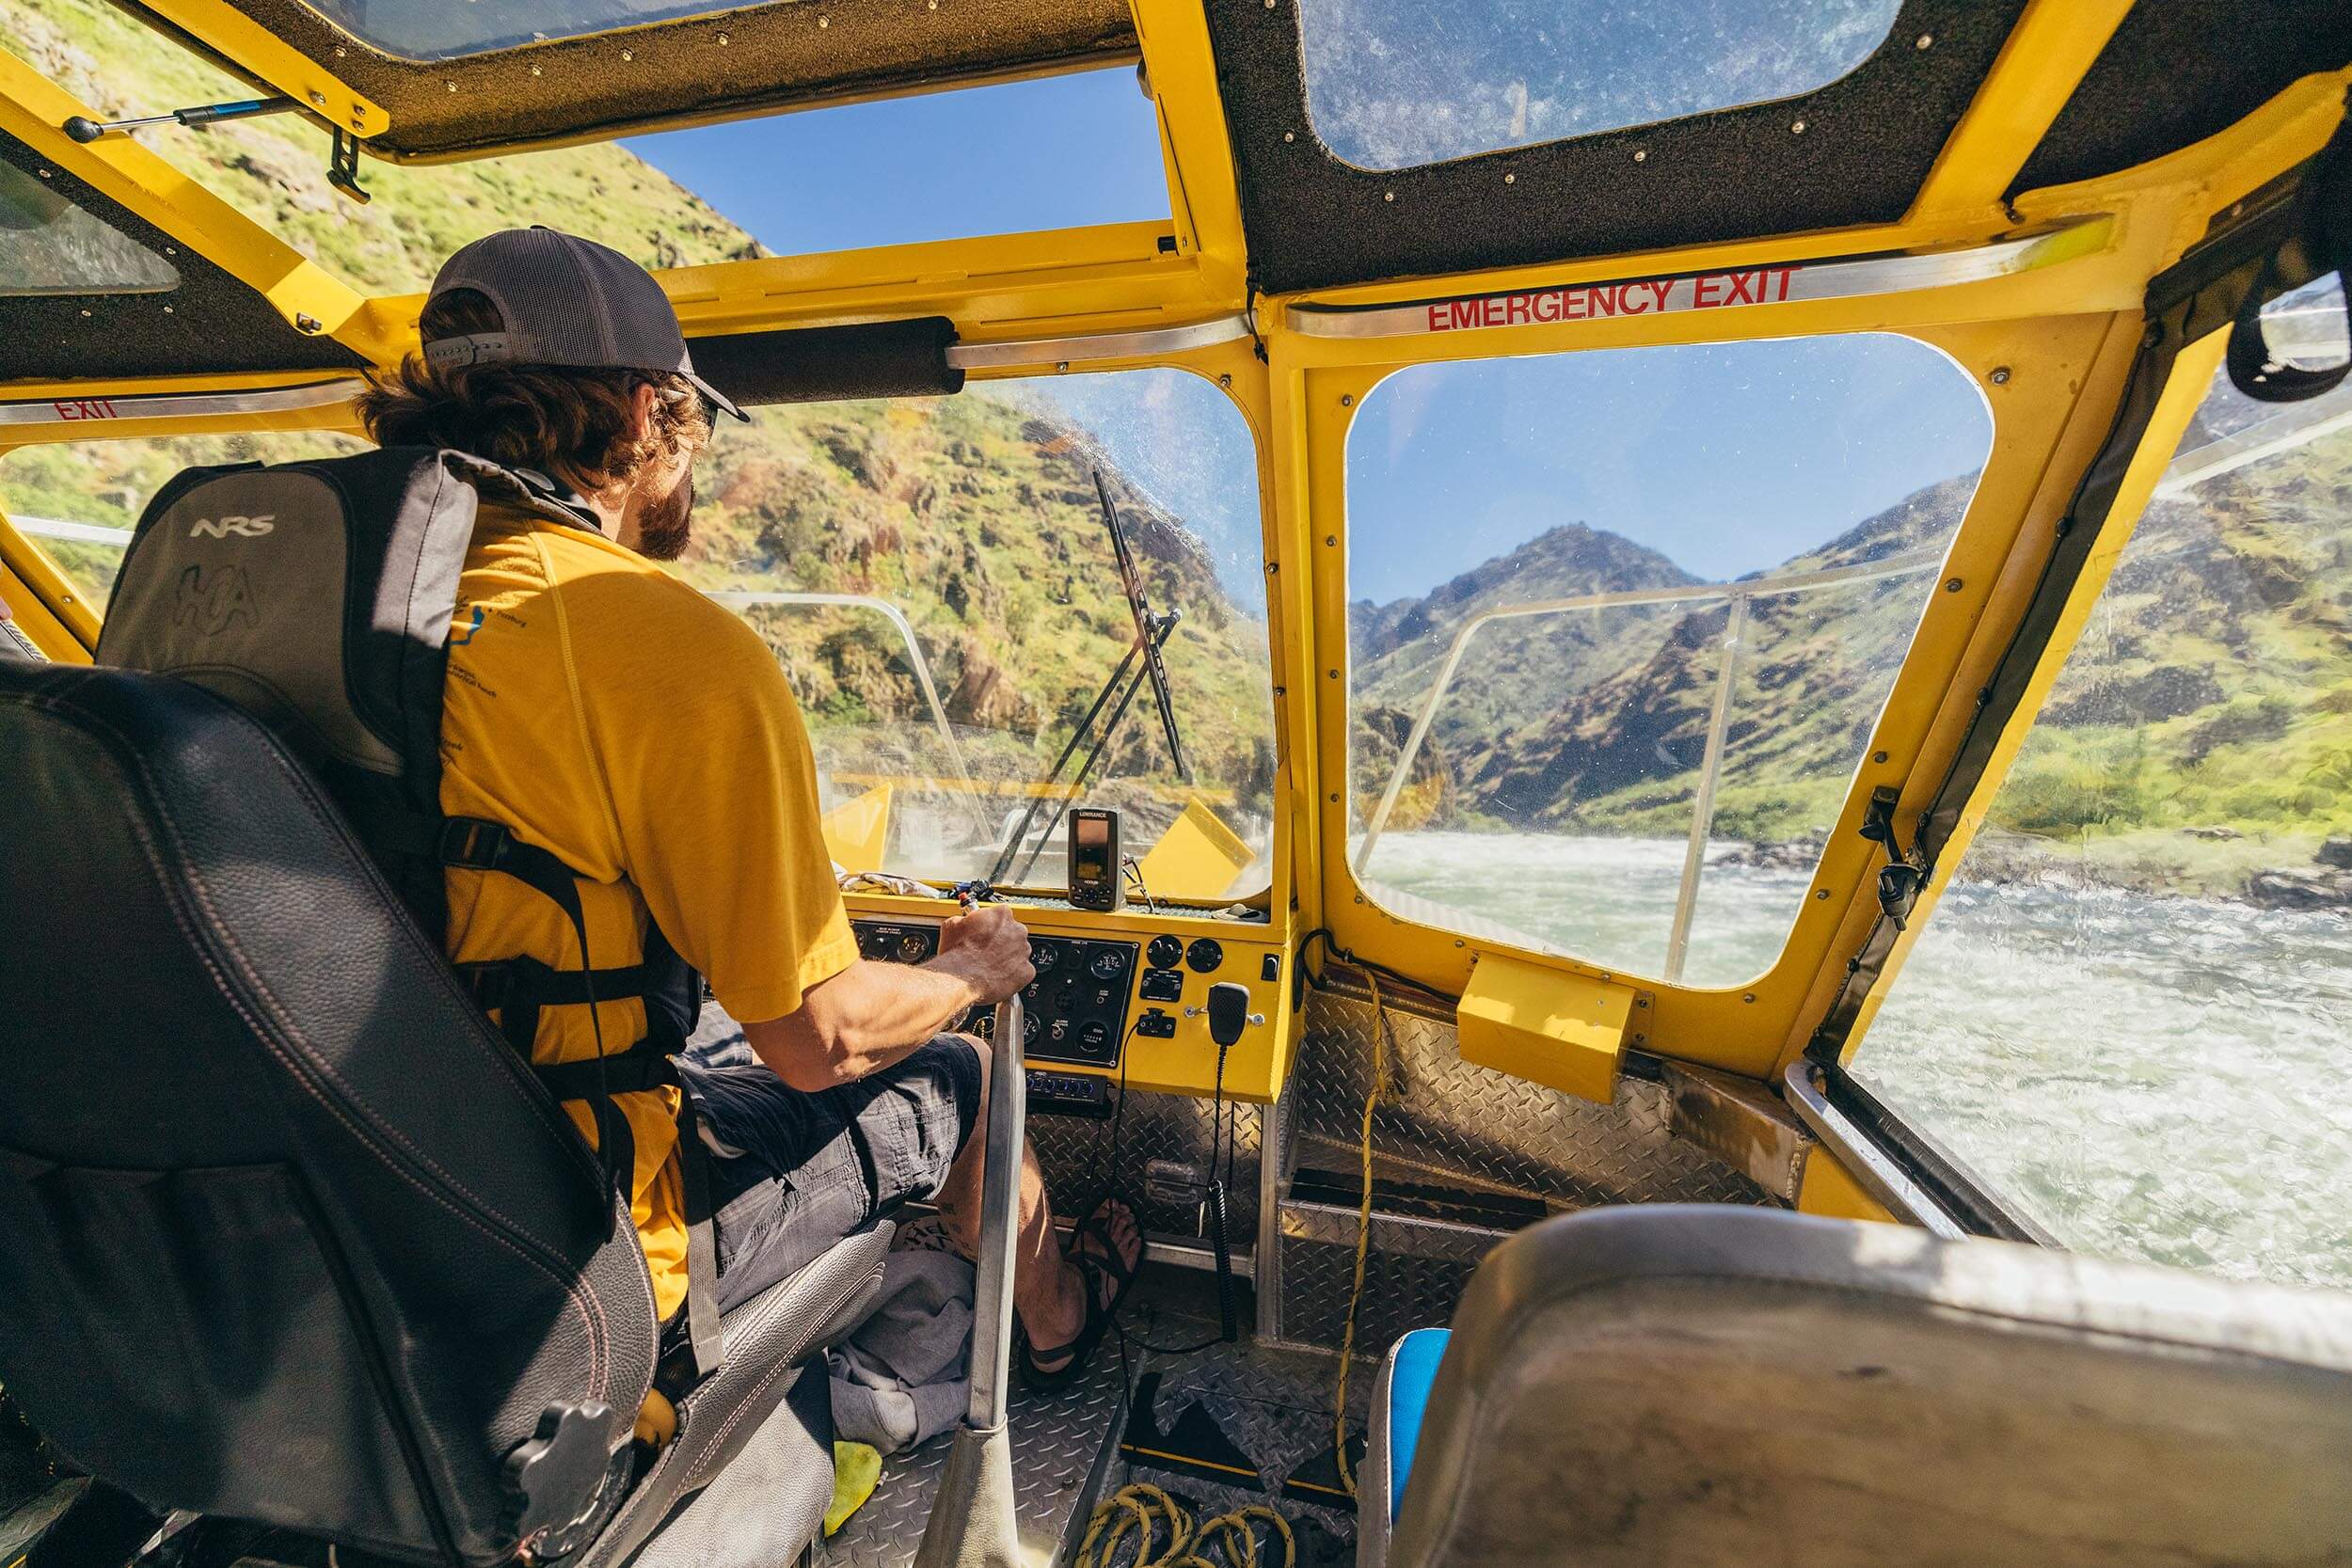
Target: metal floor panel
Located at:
point(1055, 1444)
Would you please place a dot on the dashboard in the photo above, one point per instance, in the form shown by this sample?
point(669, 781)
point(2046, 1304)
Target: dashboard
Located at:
point(1123, 995)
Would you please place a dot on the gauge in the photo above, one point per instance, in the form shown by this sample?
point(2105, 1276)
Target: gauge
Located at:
point(1108, 964)
point(1095, 1036)
point(1045, 956)
point(1031, 1027)
point(909, 948)
point(1166, 952)
point(1205, 955)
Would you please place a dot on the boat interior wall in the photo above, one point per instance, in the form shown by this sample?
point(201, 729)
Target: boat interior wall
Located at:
point(2112, 122)
point(824, 364)
point(1859, 1381)
point(210, 322)
point(725, 63)
point(1854, 152)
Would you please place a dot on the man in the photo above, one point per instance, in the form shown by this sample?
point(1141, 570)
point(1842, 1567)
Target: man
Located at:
point(617, 719)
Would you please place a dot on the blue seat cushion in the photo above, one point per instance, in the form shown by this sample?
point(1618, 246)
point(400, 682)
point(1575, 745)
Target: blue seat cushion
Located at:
point(1412, 1373)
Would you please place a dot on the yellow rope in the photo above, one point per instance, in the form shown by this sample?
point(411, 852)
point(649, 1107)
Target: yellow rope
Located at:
point(1142, 1508)
point(1363, 1234)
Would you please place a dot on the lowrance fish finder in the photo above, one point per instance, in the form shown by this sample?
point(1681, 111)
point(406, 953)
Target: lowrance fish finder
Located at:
point(1094, 858)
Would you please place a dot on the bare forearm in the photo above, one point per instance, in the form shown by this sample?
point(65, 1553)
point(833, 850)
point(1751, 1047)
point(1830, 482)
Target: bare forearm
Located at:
point(863, 1020)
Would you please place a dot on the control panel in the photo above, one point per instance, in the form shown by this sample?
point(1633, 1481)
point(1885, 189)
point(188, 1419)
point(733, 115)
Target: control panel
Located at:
point(1076, 1008)
point(1102, 995)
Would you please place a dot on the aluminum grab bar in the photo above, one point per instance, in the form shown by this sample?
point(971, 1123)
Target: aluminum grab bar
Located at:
point(1739, 595)
point(1000, 1221)
point(744, 599)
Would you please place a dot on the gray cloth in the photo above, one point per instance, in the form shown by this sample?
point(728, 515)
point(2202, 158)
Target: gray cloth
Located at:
point(902, 1379)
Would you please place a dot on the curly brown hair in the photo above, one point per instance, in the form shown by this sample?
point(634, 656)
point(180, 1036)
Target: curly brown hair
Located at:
point(571, 423)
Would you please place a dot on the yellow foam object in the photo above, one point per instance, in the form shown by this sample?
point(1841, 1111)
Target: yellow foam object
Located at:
point(1198, 857)
point(856, 1470)
point(1543, 1025)
point(857, 832)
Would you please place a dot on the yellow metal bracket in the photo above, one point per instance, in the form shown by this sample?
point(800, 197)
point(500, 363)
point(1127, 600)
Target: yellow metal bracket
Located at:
point(238, 38)
point(1563, 1030)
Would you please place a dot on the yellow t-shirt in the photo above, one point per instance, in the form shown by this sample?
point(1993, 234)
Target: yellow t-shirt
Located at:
point(643, 735)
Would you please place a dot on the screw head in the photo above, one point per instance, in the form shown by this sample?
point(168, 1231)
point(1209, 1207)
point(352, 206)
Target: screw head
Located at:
point(1878, 756)
point(1820, 893)
point(2001, 375)
point(1290, 135)
point(1925, 40)
point(1952, 585)
point(1331, 538)
point(1641, 155)
point(1796, 128)
point(1388, 196)
point(1347, 399)
point(318, 98)
point(724, 39)
point(1335, 798)
point(1749, 997)
point(1510, 179)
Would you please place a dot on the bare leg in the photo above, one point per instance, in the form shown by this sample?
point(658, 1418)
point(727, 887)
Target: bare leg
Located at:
point(1048, 1291)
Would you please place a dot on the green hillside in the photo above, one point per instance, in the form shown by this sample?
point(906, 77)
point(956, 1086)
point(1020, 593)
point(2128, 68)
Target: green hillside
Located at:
point(2200, 736)
point(976, 516)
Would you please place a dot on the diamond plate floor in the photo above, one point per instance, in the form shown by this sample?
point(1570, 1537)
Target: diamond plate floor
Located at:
point(1056, 1442)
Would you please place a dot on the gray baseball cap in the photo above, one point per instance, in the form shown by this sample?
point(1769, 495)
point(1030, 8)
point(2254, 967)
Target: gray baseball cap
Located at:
point(565, 301)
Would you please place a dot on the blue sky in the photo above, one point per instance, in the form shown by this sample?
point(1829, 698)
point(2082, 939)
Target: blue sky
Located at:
point(1051, 153)
point(1727, 458)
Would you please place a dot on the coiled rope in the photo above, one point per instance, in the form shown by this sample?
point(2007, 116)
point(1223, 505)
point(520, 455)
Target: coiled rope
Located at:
point(1133, 1519)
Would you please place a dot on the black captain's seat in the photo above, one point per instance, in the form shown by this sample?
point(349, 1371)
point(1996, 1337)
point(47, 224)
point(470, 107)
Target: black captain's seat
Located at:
point(289, 1235)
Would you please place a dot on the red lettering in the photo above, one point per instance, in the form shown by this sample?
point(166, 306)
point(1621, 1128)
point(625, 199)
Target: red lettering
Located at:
point(1785, 273)
point(1607, 301)
point(1747, 288)
point(1442, 316)
point(1662, 288)
point(1575, 304)
point(85, 408)
point(1700, 297)
point(1519, 312)
point(1547, 306)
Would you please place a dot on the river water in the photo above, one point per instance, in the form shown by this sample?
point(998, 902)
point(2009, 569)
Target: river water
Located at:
point(2148, 1078)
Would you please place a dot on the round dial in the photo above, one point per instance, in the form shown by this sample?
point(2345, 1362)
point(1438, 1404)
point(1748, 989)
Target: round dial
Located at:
point(909, 948)
point(1165, 952)
point(1108, 965)
point(1205, 955)
point(1044, 956)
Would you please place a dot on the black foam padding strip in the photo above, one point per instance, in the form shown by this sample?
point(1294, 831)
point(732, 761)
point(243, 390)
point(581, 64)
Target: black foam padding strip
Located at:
point(1871, 137)
point(824, 364)
point(2177, 72)
point(215, 323)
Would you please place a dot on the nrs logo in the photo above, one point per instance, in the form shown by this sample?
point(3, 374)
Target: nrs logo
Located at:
point(246, 528)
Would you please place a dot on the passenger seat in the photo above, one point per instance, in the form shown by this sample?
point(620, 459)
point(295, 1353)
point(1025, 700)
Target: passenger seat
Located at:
point(1722, 1387)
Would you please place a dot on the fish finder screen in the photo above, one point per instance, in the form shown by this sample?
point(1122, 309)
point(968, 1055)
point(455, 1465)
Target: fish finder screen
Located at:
point(1090, 849)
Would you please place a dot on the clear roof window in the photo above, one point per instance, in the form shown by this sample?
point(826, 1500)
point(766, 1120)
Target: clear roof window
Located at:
point(437, 30)
point(50, 247)
point(1394, 84)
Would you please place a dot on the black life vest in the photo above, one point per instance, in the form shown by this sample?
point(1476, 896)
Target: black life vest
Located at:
point(319, 597)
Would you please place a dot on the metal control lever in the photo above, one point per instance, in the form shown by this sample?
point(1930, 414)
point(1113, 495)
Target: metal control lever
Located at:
point(972, 1523)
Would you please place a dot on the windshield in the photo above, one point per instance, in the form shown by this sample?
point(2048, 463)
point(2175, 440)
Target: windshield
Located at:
point(939, 579)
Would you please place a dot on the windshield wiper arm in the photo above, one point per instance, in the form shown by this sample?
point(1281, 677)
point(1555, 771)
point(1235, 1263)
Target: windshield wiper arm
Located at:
point(1153, 629)
point(1150, 630)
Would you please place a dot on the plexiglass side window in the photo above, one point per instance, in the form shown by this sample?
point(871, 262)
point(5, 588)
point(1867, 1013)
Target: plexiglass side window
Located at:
point(2128, 1012)
point(939, 581)
point(1622, 623)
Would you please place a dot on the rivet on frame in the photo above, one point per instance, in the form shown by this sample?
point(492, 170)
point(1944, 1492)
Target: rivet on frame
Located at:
point(628, 53)
point(1796, 128)
point(725, 40)
point(1926, 41)
point(1641, 155)
point(2001, 375)
point(1290, 135)
point(1510, 179)
point(1952, 585)
point(1388, 196)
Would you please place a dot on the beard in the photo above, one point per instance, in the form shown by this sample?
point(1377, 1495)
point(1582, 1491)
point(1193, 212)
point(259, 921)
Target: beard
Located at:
point(667, 526)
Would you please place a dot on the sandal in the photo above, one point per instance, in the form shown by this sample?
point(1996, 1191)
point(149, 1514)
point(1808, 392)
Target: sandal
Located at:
point(1095, 1268)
